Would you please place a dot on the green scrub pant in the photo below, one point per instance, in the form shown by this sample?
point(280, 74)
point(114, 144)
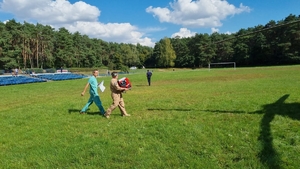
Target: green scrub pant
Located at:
point(97, 101)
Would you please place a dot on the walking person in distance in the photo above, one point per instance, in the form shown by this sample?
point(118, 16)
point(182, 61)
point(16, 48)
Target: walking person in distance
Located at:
point(149, 74)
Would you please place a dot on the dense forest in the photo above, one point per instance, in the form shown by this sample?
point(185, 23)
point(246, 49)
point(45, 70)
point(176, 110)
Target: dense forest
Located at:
point(41, 46)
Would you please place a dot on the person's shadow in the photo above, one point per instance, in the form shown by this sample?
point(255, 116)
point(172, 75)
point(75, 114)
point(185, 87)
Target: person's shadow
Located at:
point(268, 154)
point(78, 111)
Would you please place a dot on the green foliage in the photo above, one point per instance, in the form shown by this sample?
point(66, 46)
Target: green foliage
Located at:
point(38, 46)
point(183, 59)
point(207, 51)
point(118, 62)
point(223, 118)
point(164, 53)
point(144, 53)
point(124, 69)
point(111, 66)
point(37, 70)
point(276, 43)
point(52, 70)
point(129, 55)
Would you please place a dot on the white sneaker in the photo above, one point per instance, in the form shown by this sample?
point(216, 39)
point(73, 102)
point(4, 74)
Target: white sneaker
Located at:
point(126, 115)
point(106, 116)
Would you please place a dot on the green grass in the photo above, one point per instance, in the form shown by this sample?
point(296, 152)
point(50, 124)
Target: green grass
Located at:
point(223, 118)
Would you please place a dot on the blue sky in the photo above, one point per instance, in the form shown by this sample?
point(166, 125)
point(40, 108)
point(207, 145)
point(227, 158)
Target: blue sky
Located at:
point(148, 21)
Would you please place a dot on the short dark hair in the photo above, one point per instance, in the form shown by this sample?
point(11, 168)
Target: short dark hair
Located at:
point(114, 74)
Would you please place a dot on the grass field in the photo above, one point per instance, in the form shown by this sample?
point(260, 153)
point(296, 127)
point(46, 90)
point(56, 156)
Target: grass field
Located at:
point(223, 118)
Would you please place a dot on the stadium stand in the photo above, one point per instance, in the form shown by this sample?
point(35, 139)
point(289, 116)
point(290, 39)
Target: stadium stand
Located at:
point(35, 78)
point(13, 80)
point(60, 76)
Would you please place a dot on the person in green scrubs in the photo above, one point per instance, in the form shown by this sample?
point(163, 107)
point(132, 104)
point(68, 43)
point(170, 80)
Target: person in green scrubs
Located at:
point(94, 96)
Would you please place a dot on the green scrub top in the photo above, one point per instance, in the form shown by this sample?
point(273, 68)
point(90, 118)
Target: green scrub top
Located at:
point(93, 86)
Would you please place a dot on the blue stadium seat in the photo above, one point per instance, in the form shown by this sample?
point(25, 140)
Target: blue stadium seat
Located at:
point(12, 80)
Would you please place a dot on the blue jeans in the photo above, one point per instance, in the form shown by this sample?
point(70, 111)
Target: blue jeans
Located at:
point(97, 101)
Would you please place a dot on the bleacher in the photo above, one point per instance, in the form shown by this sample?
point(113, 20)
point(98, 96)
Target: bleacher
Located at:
point(13, 80)
point(35, 78)
point(59, 76)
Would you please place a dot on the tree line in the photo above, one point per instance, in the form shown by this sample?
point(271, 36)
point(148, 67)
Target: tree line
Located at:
point(41, 46)
point(276, 43)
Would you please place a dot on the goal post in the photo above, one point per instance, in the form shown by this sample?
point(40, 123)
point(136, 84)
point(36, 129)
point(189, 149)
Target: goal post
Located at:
point(222, 63)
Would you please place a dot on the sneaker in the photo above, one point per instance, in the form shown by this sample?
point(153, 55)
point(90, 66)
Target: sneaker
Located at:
point(105, 115)
point(82, 112)
point(126, 115)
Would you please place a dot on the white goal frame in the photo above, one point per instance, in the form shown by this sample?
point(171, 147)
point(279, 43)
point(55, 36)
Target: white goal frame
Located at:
point(222, 63)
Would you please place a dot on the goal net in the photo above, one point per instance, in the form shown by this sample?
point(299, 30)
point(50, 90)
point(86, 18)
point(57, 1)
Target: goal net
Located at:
point(222, 65)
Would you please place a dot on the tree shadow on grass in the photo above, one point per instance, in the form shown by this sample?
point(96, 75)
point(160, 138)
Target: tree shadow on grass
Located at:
point(268, 155)
point(225, 111)
point(78, 111)
point(214, 111)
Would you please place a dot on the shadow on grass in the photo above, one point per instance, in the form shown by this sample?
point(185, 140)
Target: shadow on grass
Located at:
point(141, 85)
point(224, 111)
point(159, 109)
point(78, 111)
point(73, 111)
point(268, 155)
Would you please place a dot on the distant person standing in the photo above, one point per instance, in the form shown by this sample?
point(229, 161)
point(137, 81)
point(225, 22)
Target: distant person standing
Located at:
point(116, 95)
point(16, 71)
point(94, 96)
point(149, 74)
point(61, 69)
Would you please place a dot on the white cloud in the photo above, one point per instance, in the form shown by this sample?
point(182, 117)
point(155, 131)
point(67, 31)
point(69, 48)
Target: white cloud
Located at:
point(112, 32)
point(154, 29)
point(197, 13)
point(213, 30)
point(79, 16)
point(228, 33)
point(184, 33)
point(51, 12)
